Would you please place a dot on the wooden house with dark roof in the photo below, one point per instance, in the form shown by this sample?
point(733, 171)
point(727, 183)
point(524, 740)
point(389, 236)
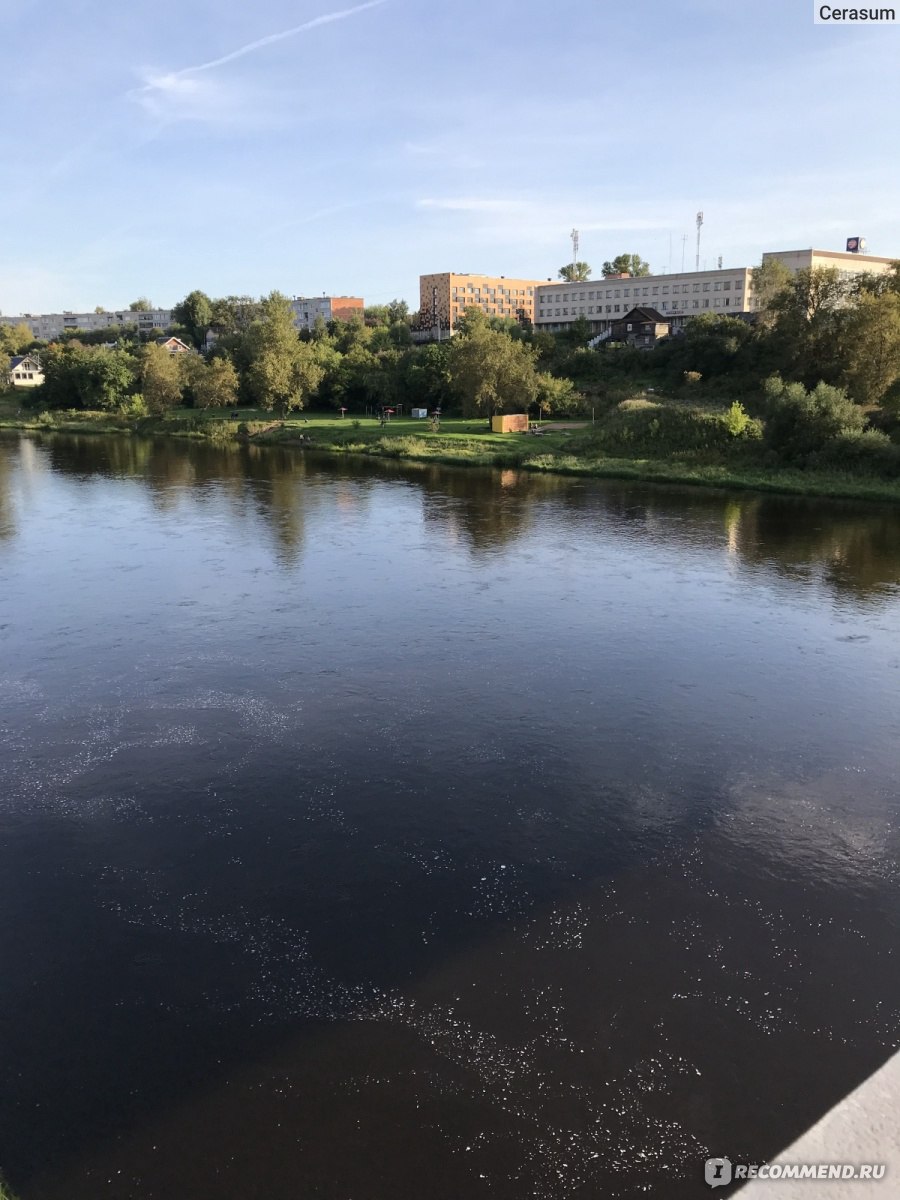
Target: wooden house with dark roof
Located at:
point(641, 327)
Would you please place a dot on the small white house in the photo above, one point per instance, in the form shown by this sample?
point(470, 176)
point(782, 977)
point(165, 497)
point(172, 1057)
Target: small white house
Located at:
point(25, 371)
point(420, 413)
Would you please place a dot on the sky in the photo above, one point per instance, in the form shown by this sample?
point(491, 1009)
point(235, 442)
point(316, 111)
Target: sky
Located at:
point(322, 146)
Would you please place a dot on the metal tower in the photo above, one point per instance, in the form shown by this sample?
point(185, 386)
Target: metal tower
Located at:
point(699, 226)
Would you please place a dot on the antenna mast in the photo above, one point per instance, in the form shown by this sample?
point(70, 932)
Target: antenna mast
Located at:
point(699, 226)
point(574, 236)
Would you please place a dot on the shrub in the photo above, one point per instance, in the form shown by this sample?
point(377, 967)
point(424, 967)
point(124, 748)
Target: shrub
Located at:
point(643, 427)
point(863, 451)
point(736, 419)
point(134, 407)
point(800, 424)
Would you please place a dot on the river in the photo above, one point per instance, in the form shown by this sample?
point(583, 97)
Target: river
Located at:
point(381, 832)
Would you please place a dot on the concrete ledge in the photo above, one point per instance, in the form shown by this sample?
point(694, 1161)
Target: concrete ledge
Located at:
point(863, 1128)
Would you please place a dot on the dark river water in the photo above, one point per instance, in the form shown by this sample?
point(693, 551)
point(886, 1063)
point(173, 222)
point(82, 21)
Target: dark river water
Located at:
point(391, 833)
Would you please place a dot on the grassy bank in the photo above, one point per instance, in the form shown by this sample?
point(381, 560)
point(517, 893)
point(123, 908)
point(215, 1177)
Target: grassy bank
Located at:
point(562, 449)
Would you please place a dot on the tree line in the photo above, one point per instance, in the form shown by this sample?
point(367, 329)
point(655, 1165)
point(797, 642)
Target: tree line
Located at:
point(830, 339)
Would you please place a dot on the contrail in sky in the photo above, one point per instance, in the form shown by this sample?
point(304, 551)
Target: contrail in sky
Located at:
point(325, 19)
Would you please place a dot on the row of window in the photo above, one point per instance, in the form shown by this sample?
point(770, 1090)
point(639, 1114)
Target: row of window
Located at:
point(472, 290)
point(719, 302)
point(615, 293)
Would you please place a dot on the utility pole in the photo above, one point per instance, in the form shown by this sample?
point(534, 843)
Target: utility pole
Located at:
point(699, 226)
point(574, 236)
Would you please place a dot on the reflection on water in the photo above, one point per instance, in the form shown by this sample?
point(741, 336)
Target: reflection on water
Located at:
point(848, 546)
point(387, 831)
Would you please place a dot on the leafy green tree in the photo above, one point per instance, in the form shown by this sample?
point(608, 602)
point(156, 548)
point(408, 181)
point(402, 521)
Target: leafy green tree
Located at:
point(212, 383)
point(556, 395)
point(89, 377)
point(352, 332)
point(162, 378)
point(283, 371)
point(872, 346)
point(489, 372)
point(768, 281)
point(114, 373)
point(65, 367)
point(194, 315)
point(809, 325)
point(142, 304)
point(397, 310)
point(15, 339)
point(577, 272)
point(233, 315)
point(426, 378)
point(626, 264)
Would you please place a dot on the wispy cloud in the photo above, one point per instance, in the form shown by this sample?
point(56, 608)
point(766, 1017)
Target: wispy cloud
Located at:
point(181, 92)
point(272, 38)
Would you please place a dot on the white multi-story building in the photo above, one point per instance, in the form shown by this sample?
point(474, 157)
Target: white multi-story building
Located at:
point(681, 296)
point(678, 297)
point(50, 325)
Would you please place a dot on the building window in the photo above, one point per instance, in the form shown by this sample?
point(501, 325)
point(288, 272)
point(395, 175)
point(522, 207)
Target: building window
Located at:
point(665, 305)
point(727, 301)
point(666, 290)
point(656, 291)
point(625, 292)
point(717, 287)
point(617, 293)
point(590, 295)
point(726, 286)
point(696, 304)
point(706, 303)
point(618, 307)
point(696, 289)
point(738, 285)
point(706, 287)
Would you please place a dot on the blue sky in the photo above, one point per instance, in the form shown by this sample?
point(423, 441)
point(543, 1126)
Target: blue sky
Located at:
point(151, 150)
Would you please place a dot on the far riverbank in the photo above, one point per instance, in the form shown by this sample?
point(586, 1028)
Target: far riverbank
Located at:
point(565, 449)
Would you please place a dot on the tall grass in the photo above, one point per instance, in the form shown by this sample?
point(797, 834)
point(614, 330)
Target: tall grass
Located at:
point(5, 1192)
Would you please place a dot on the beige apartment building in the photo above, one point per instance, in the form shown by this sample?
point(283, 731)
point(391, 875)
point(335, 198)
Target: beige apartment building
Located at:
point(444, 298)
point(681, 296)
point(848, 264)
